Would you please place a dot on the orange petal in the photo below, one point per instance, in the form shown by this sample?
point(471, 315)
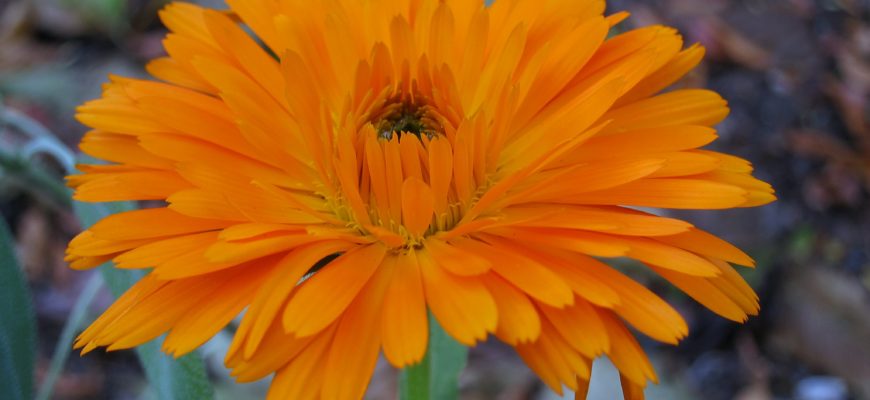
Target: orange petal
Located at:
point(668, 193)
point(404, 320)
point(160, 251)
point(276, 290)
point(626, 354)
point(701, 242)
point(463, 306)
point(151, 223)
point(440, 173)
point(328, 293)
point(580, 326)
point(705, 293)
point(630, 390)
point(452, 257)
point(302, 377)
point(142, 184)
point(276, 350)
point(518, 320)
point(195, 328)
point(638, 305)
point(525, 272)
point(680, 107)
point(354, 351)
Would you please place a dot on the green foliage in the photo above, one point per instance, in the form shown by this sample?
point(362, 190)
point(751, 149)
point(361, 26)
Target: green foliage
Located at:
point(437, 376)
point(108, 15)
point(17, 325)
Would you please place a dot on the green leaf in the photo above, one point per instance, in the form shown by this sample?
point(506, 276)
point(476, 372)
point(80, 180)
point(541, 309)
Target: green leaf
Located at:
point(437, 376)
point(183, 378)
point(17, 325)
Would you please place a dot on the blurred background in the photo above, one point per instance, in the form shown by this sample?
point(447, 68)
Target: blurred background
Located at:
point(795, 72)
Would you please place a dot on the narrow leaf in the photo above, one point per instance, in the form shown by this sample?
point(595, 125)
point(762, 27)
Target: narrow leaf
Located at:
point(17, 325)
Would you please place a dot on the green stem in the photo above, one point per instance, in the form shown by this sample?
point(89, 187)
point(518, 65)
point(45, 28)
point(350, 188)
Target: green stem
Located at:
point(437, 376)
point(414, 381)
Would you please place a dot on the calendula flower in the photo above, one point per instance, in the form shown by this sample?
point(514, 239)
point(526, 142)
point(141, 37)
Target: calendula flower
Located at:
point(358, 164)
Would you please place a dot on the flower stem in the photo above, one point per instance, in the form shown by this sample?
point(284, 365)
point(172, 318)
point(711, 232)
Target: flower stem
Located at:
point(437, 376)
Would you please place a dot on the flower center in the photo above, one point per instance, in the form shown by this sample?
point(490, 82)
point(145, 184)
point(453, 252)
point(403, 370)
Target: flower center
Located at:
point(402, 116)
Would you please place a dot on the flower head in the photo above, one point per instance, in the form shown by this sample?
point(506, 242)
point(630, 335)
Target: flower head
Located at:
point(373, 161)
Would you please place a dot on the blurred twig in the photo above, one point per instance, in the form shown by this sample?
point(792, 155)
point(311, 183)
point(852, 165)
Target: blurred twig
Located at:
point(41, 139)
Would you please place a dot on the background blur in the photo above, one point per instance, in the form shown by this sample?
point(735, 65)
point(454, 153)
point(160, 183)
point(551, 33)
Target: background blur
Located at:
point(795, 72)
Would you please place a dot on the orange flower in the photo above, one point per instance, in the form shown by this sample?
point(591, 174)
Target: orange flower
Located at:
point(476, 162)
